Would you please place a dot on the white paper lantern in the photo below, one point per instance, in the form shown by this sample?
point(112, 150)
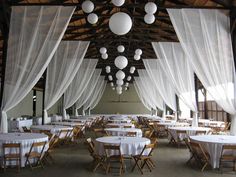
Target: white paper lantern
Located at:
point(138, 52)
point(119, 92)
point(150, 8)
point(132, 69)
point(125, 88)
point(105, 56)
point(126, 84)
point(112, 84)
point(118, 88)
point(119, 82)
point(118, 3)
point(108, 69)
point(120, 23)
point(120, 48)
point(121, 62)
point(103, 50)
point(128, 78)
point(137, 57)
point(87, 6)
point(92, 18)
point(113, 88)
point(149, 18)
point(110, 77)
point(120, 75)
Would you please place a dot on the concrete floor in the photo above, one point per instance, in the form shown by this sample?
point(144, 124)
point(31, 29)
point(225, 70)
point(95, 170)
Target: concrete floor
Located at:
point(74, 161)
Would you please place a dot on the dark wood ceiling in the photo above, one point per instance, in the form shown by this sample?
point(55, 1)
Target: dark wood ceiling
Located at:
point(99, 35)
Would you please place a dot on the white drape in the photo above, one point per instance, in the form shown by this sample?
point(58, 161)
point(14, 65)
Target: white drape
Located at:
point(94, 95)
point(205, 37)
point(79, 83)
point(96, 101)
point(62, 70)
point(160, 80)
point(151, 90)
point(35, 33)
point(141, 97)
point(89, 90)
point(179, 71)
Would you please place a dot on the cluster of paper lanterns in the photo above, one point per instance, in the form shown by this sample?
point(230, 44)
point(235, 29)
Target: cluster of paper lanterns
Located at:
point(88, 7)
point(150, 9)
point(132, 69)
point(108, 69)
point(103, 52)
point(138, 53)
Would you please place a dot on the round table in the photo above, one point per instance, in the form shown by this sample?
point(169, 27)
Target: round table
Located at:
point(54, 129)
point(119, 121)
point(213, 144)
point(25, 139)
point(189, 130)
point(128, 145)
point(120, 125)
point(70, 124)
point(123, 131)
point(173, 124)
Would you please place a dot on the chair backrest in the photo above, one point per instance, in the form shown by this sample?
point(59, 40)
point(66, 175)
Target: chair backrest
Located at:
point(112, 149)
point(131, 134)
point(229, 150)
point(147, 147)
point(154, 141)
point(127, 126)
point(7, 146)
point(34, 148)
point(64, 132)
point(90, 144)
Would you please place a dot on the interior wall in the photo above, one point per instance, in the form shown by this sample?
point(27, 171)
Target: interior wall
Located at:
point(127, 103)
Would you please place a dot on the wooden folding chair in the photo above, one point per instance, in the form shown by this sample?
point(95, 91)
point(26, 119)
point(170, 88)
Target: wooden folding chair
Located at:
point(114, 156)
point(51, 145)
point(33, 154)
point(63, 135)
point(160, 130)
point(98, 160)
point(144, 159)
point(180, 133)
point(26, 130)
point(131, 134)
point(172, 140)
point(200, 155)
point(228, 155)
point(187, 142)
point(11, 152)
point(148, 133)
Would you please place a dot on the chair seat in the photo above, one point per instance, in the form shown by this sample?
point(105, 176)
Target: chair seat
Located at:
point(12, 156)
point(33, 154)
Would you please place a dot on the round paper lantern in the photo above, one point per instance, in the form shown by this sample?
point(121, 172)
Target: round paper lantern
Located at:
point(121, 62)
point(92, 18)
point(110, 77)
point(128, 78)
point(112, 84)
point(118, 3)
point(120, 48)
point(120, 23)
point(137, 57)
point(103, 50)
point(120, 75)
point(126, 84)
point(150, 8)
point(125, 88)
point(108, 69)
point(113, 88)
point(87, 6)
point(119, 82)
point(138, 52)
point(149, 18)
point(104, 56)
point(119, 92)
point(118, 88)
point(132, 69)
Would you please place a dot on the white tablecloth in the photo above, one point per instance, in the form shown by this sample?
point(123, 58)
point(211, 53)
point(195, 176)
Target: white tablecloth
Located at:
point(123, 131)
point(70, 124)
point(173, 124)
point(54, 129)
point(119, 121)
point(121, 125)
point(56, 118)
point(128, 145)
point(213, 144)
point(189, 130)
point(18, 124)
point(25, 139)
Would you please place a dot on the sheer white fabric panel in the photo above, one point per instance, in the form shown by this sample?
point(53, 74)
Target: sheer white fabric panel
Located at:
point(141, 98)
point(89, 89)
point(99, 96)
point(62, 70)
point(205, 37)
point(151, 90)
point(158, 77)
point(95, 94)
point(35, 33)
point(143, 92)
point(79, 83)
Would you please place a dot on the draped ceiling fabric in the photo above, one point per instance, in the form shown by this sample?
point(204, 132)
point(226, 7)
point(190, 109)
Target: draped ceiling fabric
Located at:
point(179, 71)
point(158, 77)
point(94, 95)
point(88, 91)
point(205, 37)
point(79, 83)
point(141, 97)
point(35, 33)
point(62, 70)
point(143, 93)
point(151, 90)
point(99, 96)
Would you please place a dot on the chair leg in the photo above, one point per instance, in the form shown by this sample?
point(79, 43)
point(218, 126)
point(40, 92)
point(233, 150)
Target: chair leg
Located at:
point(204, 166)
point(136, 162)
